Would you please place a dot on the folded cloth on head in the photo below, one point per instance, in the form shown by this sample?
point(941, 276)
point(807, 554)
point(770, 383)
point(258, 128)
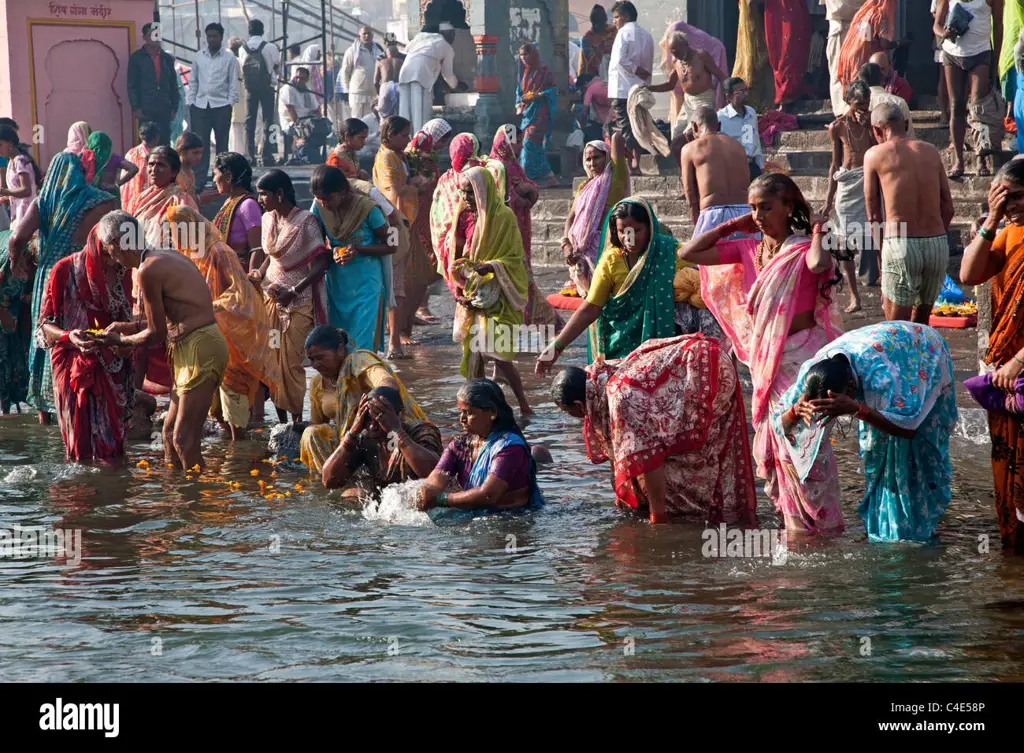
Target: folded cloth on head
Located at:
point(645, 131)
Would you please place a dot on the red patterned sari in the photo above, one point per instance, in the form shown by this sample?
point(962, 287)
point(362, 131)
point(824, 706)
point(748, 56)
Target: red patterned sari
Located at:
point(674, 403)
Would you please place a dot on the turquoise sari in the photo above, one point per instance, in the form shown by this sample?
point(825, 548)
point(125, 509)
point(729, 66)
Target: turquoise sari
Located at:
point(644, 308)
point(13, 338)
point(905, 372)
point(63, 201)
point(356, 292)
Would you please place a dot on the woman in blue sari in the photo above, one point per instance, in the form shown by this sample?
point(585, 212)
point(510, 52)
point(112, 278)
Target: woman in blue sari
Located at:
point(491, 462)
point(897, 379)
point(64, 212)
point(536, 101)
point(357, 233)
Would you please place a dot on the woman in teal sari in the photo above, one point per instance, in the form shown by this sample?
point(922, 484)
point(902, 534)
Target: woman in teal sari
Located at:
point(536, 101)
point(357, 233)
point(897, 379)
point(15, 328)
point(64, 212)
point(631, 297)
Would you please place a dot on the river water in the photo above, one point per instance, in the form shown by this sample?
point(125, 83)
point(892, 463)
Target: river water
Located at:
point(184, 580)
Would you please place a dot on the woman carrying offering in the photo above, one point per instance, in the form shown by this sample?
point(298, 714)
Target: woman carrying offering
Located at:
point(774, 300)
point(536, 101)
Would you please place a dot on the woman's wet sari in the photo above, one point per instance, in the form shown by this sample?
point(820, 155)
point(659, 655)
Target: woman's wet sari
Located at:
point(904, 372)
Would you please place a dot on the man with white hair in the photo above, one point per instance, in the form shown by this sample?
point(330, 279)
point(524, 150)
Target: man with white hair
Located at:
point(909, 177)
point(357, 69)
point(178, 309)
point(427, 56)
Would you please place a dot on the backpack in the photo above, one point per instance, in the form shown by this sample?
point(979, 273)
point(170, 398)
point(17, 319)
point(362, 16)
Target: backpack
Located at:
point(255, 73)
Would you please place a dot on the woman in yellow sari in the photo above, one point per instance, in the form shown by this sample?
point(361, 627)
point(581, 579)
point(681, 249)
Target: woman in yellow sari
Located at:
point(344, 375)
point(487, 271)
point(752, 56)
point(241, 316)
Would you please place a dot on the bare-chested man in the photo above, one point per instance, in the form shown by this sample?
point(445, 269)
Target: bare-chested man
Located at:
point(694, 71)
point(852, 136)
point(178, 308)
point(715, 174)
point(909, 177)
point(385, 80)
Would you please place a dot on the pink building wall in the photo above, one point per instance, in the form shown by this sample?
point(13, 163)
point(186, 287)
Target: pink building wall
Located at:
point(66, 60)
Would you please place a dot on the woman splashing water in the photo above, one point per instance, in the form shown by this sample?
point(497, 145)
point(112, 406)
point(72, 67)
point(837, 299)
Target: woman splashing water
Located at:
point(773, 299)
point(491, 461)
point(897, 379)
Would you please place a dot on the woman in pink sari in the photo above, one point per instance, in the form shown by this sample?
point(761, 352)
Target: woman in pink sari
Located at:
point(775, 300)
point(788, 31)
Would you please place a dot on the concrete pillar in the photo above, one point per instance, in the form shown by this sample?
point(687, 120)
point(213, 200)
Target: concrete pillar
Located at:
point(983, 295)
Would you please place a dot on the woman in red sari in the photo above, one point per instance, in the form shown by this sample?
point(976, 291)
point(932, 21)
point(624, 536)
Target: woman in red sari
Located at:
point(788, 31)
point(92, 385)
point(536, 100)
point(520, 195)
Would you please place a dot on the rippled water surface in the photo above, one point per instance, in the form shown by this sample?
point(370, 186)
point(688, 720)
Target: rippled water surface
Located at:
point(179, 581)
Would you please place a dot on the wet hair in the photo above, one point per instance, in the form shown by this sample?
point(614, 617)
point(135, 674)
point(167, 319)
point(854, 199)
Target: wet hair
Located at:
point(569, 386)
point(273, 181)
point(327, 179)
point(485, 394)
point(238, 166)
point(172, 157)
point(215, 27)
point(1011, 172)
point(870, 74)
point(598, 17)
point(295, 49)
point(352, 127)
point(626, 210)
point(389, 394)
point(188, 140)
point(255, 28)
point(832, 374)
point(856, 90)
point(732, 83)
point(626, 9)
point(149, 131)
point(706, 116)
point(326, 336)
point(391, 126)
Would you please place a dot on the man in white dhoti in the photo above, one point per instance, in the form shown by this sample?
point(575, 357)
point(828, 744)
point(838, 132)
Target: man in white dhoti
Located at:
point(427, 56)
point(839, 14)
point(357, 69)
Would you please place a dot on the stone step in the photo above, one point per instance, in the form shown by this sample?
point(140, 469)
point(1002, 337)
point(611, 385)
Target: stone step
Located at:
point(818, 139)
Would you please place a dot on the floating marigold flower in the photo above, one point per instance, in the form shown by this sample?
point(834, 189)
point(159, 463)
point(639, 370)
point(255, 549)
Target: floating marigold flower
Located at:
point(287, 494)
point(298, 487)
point(142, 464)
point(273, 474)
point(254, 472)
point(196, 468)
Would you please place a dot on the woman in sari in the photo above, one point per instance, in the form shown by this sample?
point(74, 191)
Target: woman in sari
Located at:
point(488, 274)
point(491, 462)
point(897, 379)
point(520, 195)
point(109, 164)
point(15, 326)
point(595, 49)
point(606, 184)
point(401, 188)
point(357, 233)
point(78, 138)
point(149, 135)
point(631, 298)
point(752, 55)
point(872, 30)
point(421, 269)
point(351, 139)
point(292, 278)
point(444, 209)
point(774, 299)
point(241, 316)
point(788, 31)
point(1000, 258)
point(239, 219)
point(670, 417)
point(344, 375)
point(65, 211)
point(92, 385)
point(163, 192)
point(536, 101)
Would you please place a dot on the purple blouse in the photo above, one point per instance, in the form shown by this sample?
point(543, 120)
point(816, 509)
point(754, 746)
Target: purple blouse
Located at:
point(247, 216)
point(511, 465)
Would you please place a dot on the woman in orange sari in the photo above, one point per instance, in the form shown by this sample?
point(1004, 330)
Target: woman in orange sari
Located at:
point(871, 30)
point(1000, 258)
point(149, 135)
point(241, 317)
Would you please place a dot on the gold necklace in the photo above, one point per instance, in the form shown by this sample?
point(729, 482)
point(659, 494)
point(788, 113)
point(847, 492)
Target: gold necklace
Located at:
point(759, 257)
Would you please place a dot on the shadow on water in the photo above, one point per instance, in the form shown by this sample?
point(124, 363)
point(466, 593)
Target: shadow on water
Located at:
point(218, 578)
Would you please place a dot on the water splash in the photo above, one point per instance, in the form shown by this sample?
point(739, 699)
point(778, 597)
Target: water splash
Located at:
point(397, 506)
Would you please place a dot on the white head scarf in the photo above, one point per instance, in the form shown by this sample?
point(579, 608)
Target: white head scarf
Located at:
point(601, 146)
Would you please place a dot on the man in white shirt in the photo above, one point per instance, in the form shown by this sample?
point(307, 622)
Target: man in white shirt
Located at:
point(427, 56)
point(261, 63)
point(739, 121)
point(357, 69)
point(631, 63)
point(295, 102)
point(212, 93)
point(871, 74)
